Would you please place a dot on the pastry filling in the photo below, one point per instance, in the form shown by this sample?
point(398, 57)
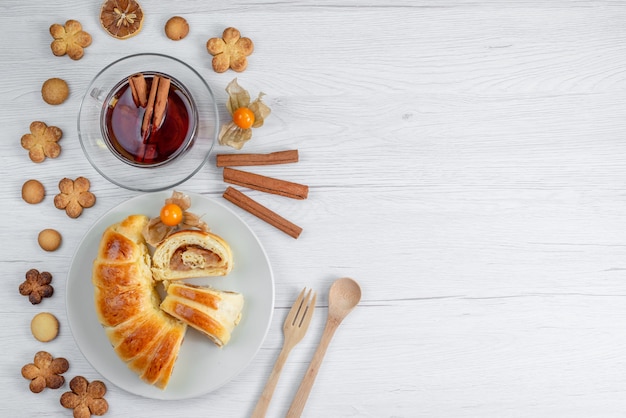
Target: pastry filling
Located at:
point(189, 257)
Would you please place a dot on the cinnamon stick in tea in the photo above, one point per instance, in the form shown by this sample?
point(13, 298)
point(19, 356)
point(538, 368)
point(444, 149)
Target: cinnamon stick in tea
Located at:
point(160, 106)
point(278, 157)
point(147, 116)
point(266, 184)
point(139, 89)
point(250, 205)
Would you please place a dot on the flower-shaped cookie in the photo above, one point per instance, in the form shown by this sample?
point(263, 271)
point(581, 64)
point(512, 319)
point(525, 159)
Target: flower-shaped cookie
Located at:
point(246, 115)
point(86, 398)
point(162, 226)
point(74, 196)
point(70, 39)
point(37, 286)
point(45, 372)
point(230, 51)
point(41, 142)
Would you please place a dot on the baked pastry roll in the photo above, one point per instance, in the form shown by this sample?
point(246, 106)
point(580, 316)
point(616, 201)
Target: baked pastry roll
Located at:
point(213, 312)
point(127, 304)
point(191, 253)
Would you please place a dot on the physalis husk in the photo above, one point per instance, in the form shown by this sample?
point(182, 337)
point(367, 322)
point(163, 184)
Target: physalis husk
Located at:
point(246, 115)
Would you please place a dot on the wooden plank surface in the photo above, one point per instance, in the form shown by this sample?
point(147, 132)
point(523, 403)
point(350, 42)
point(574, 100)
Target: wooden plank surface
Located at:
point(466, 165)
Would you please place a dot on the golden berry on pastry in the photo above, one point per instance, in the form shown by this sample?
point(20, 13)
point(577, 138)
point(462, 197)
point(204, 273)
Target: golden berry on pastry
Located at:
point(70, 39)
point(161, 227)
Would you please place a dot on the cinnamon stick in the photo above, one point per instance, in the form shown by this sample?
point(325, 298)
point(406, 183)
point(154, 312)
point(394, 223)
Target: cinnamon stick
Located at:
point(278, 157)
point(266, 184)
point(139, 89)
point(147, 116)
point(248, 204)
point(160, 106)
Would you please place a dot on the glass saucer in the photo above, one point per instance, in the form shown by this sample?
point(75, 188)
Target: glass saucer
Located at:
point(138, 177)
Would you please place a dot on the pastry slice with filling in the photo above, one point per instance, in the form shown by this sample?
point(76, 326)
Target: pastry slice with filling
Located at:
point(215, 313)
point(191, 253)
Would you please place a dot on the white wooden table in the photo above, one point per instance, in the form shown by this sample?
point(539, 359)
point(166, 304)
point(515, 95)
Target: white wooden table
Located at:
point(466, 163)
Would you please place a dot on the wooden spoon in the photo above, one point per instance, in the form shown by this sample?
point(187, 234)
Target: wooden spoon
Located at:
point(343, 296)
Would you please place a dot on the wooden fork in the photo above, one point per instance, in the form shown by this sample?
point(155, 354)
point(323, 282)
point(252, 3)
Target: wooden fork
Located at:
point(294, 328)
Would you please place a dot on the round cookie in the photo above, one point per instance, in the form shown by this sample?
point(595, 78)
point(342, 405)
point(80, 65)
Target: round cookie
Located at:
point(44, 326)
point(49, 239)
point(55, 91)
point(176, 28)
point(33, 191)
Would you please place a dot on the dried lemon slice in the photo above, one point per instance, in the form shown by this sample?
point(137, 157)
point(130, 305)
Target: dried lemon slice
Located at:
point(121, 18)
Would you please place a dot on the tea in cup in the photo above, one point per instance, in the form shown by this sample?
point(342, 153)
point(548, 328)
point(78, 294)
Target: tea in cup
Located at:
point(149, 119)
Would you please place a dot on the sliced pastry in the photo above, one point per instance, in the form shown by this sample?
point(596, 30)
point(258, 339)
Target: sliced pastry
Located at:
point(213, 312)
point(191, 253)
point(127, 304)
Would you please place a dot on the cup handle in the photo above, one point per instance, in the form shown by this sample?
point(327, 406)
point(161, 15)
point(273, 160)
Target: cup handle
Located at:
point(97, 95)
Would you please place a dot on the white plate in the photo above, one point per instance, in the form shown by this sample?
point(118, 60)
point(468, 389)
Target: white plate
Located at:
point(201, 366)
